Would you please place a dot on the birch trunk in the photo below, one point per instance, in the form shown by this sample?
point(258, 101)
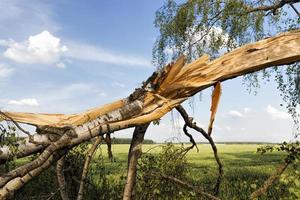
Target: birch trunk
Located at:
point(164, 90)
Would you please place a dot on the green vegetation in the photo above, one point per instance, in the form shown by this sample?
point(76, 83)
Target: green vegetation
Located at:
point(197, 27)
point(128, 141)
point(245, 171)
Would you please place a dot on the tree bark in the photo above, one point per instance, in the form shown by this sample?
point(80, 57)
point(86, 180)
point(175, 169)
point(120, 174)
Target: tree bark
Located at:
point(135, 152)
point(163, 91)
point(108, 143)
point(86, 167)
point(189, 122)
point(61, 178)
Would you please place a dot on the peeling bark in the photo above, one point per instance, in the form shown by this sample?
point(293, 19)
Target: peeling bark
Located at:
point(169, 87)
point(163, 91)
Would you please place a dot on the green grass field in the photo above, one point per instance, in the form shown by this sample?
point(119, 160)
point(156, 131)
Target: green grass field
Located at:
point(244, 171)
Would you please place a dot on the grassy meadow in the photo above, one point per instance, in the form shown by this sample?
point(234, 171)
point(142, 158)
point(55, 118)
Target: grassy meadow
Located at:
point(244, 171)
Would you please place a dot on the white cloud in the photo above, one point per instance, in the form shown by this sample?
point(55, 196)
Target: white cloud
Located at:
point(212, 32)
point(276, 114)
point(235, 114)
point(5, 71)
point(43, 48)
point(61, 65)
point(247, 110)
point(24, 102)
point(6, 42)
point(80, 51)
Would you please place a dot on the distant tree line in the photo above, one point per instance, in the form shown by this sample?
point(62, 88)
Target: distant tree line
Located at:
point(128, 141)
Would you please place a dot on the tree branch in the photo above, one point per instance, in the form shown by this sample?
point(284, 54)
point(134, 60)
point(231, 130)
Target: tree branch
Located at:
point(268, 183)
point(189, 122)
point(273, 8)
point(61, 178)
point(108, 143)
point(87, 162)
point(164, 90)
point(185, 184)
point(135, 152)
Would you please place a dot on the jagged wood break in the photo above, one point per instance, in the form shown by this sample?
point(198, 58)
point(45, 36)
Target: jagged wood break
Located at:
point(164, 90)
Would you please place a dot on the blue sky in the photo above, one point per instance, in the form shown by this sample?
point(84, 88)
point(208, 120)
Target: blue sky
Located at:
point(67, 56)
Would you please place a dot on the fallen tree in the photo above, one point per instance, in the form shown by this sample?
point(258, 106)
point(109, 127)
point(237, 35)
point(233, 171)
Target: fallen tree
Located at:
point(167, 88)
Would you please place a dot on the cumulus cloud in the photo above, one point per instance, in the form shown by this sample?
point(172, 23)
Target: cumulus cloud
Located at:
point(235, 114)
point(87, 52)
point(43, 48)
point(276, 114)
point(24, 102)
point(5, 71)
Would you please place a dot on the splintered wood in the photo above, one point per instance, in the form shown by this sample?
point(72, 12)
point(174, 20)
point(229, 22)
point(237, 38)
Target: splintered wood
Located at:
point(178, 81)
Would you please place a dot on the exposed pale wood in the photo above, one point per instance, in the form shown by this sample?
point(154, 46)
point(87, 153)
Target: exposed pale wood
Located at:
point(163, 91)
point(280, 50)
point(184, 81)
point(215, 99)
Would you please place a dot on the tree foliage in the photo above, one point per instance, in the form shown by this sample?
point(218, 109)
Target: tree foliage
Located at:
point(214, 27)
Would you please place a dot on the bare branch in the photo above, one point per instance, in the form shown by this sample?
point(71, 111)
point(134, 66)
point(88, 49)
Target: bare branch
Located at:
point(163, 91)
point(108, 143)
point(61, 178)
point(268, 183)
point(273, 8)
point(189, 122)
point(13, 185)
point(135, 152)
point(185, 184)
point(85, 170)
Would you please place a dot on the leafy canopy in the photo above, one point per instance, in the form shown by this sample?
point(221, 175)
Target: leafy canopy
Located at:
point(214, 27)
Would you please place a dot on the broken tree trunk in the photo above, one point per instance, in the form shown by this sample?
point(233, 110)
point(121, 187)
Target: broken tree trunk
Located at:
point(164, 90)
